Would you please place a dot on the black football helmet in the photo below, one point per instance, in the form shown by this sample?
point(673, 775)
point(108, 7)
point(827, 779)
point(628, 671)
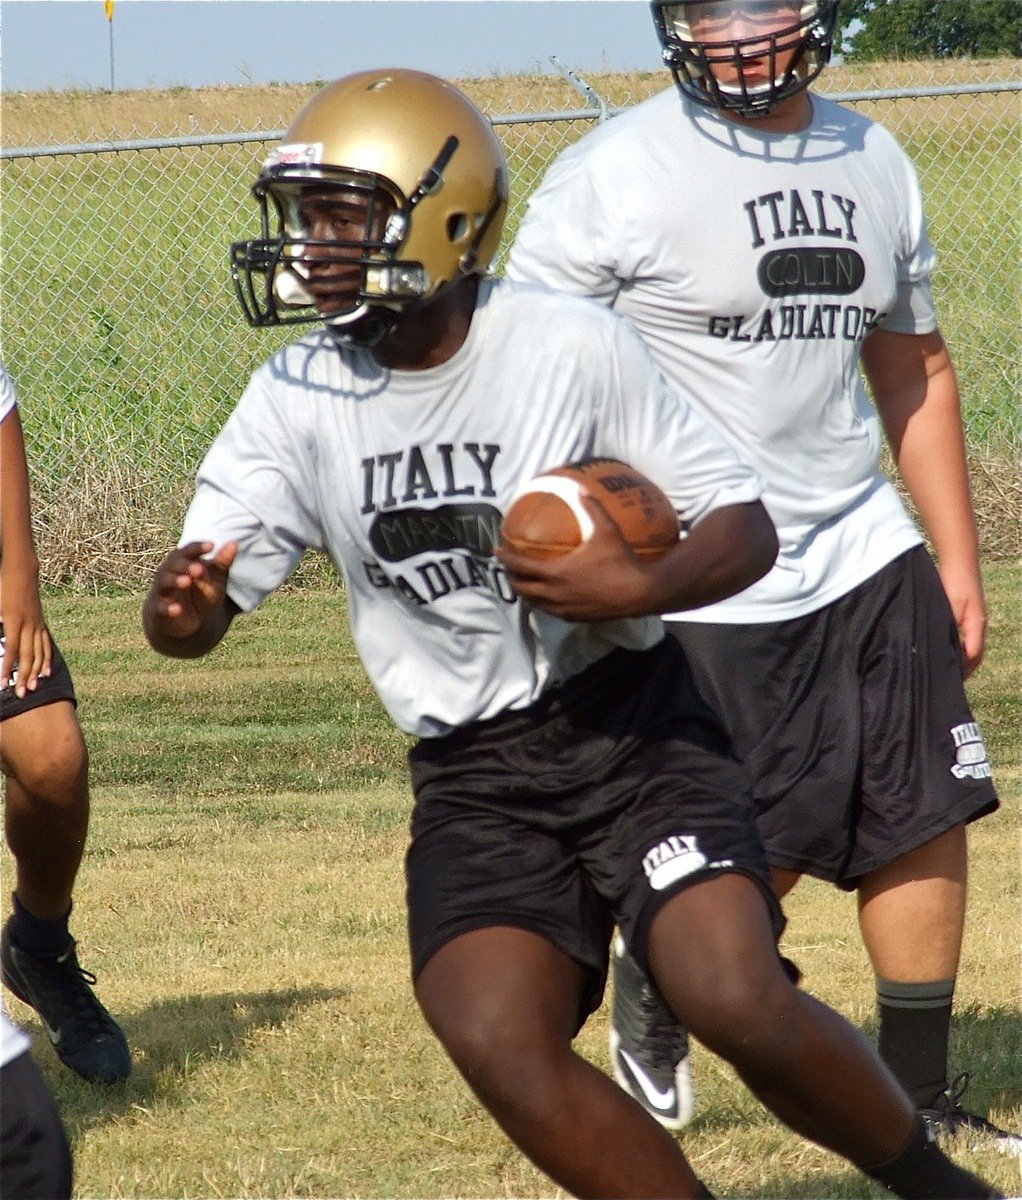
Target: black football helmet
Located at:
point(426, 168)
point(810, 34)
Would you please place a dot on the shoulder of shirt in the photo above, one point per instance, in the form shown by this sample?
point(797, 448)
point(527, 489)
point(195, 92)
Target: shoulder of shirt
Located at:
point(619, 131)
point(834, 112)
point(535, 301)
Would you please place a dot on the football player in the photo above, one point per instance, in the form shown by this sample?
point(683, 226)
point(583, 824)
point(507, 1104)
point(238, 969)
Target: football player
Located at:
point(566, 776)
point(767, 243)
point(46, 801)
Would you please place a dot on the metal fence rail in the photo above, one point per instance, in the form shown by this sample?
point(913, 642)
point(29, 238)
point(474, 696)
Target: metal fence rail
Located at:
point(120, 327)
point(496, 119)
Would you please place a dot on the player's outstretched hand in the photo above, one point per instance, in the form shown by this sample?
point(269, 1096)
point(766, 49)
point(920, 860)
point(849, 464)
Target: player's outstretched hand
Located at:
point(600, 580)
point(186, 610)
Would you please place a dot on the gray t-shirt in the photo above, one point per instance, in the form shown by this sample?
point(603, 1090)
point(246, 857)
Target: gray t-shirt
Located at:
point(753, 265)
point(402, 477)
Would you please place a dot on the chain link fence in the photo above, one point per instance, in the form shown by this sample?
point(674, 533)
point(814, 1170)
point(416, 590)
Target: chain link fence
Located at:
point(121, 329)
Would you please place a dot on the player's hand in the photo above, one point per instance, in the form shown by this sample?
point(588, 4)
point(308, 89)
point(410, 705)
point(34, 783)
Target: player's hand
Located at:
point(964, 592)
point(190, 584)
point(600, 580)
point(26, 641)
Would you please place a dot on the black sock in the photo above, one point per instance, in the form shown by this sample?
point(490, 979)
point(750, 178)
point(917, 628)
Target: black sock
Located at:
point(37, 936)
point(922, 1171)
point(914, 1022)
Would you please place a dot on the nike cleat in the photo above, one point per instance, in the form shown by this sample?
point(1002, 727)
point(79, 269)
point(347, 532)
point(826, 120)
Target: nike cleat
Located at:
point(85, 1036)
point(947, 1118)
point(648, 1048)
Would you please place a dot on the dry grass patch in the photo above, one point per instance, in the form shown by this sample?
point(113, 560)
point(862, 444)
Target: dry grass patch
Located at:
point(46, 118)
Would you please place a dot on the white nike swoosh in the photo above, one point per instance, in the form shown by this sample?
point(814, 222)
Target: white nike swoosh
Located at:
point(664, 1100)
point(52, 1034)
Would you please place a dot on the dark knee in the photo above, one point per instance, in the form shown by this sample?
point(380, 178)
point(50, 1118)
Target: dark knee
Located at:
point(482, 1041)
point(746, 1017)
point(509, 1062)
point(504, 1004)
point(56, 779)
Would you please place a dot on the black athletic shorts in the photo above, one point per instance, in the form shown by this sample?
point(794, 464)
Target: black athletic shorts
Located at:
point(593, 807)
point(35, 1158)
point(56, 686)
point(853, 722)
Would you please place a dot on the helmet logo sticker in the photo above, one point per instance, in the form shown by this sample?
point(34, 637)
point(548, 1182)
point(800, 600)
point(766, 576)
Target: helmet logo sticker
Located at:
point(295, 155)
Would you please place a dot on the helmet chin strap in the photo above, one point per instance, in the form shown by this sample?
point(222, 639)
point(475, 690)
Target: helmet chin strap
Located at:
point(367, 326)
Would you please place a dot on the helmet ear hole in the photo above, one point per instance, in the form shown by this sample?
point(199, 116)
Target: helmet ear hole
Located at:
point(457, 227)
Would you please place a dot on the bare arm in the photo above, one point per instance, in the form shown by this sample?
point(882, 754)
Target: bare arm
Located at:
point(602, 580)
point(27, 640)
point(915, 389)
point(187, 611)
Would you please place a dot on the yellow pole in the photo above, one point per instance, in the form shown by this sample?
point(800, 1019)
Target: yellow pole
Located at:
point(108, 6)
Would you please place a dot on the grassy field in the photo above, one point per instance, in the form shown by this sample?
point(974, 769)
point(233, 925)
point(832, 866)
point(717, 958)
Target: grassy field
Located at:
point(242, 903)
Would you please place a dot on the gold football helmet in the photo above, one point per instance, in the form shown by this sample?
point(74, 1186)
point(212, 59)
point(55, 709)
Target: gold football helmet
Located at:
point(422, 166)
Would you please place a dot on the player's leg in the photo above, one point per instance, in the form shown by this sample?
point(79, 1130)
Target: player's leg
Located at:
point(732, 989)
point(505, 1004)
point(854, 705)
point(912, 915)
point(812, 1068)
point(46, 817)
point(46, 811)
point(925, 775)
point(509, 935)
point(755, 679)
point(783, 881)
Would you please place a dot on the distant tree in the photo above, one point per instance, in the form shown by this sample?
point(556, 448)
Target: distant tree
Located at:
point(906, 29)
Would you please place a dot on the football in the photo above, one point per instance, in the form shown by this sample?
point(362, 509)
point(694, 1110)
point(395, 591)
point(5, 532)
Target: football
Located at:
point(547, 518)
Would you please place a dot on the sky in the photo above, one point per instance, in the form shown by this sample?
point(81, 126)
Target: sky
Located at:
point(62, 45)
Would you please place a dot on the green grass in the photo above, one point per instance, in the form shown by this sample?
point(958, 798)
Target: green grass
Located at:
point(242, 903)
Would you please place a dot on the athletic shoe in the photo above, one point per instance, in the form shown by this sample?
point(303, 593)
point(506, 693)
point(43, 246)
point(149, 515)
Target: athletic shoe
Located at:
point(648, 1048)
point(85, 1036)
point(947, 1118)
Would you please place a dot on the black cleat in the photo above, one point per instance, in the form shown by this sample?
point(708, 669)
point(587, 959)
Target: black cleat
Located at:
point(946, 1118)
point(85, 1036)
point(648, 1048)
